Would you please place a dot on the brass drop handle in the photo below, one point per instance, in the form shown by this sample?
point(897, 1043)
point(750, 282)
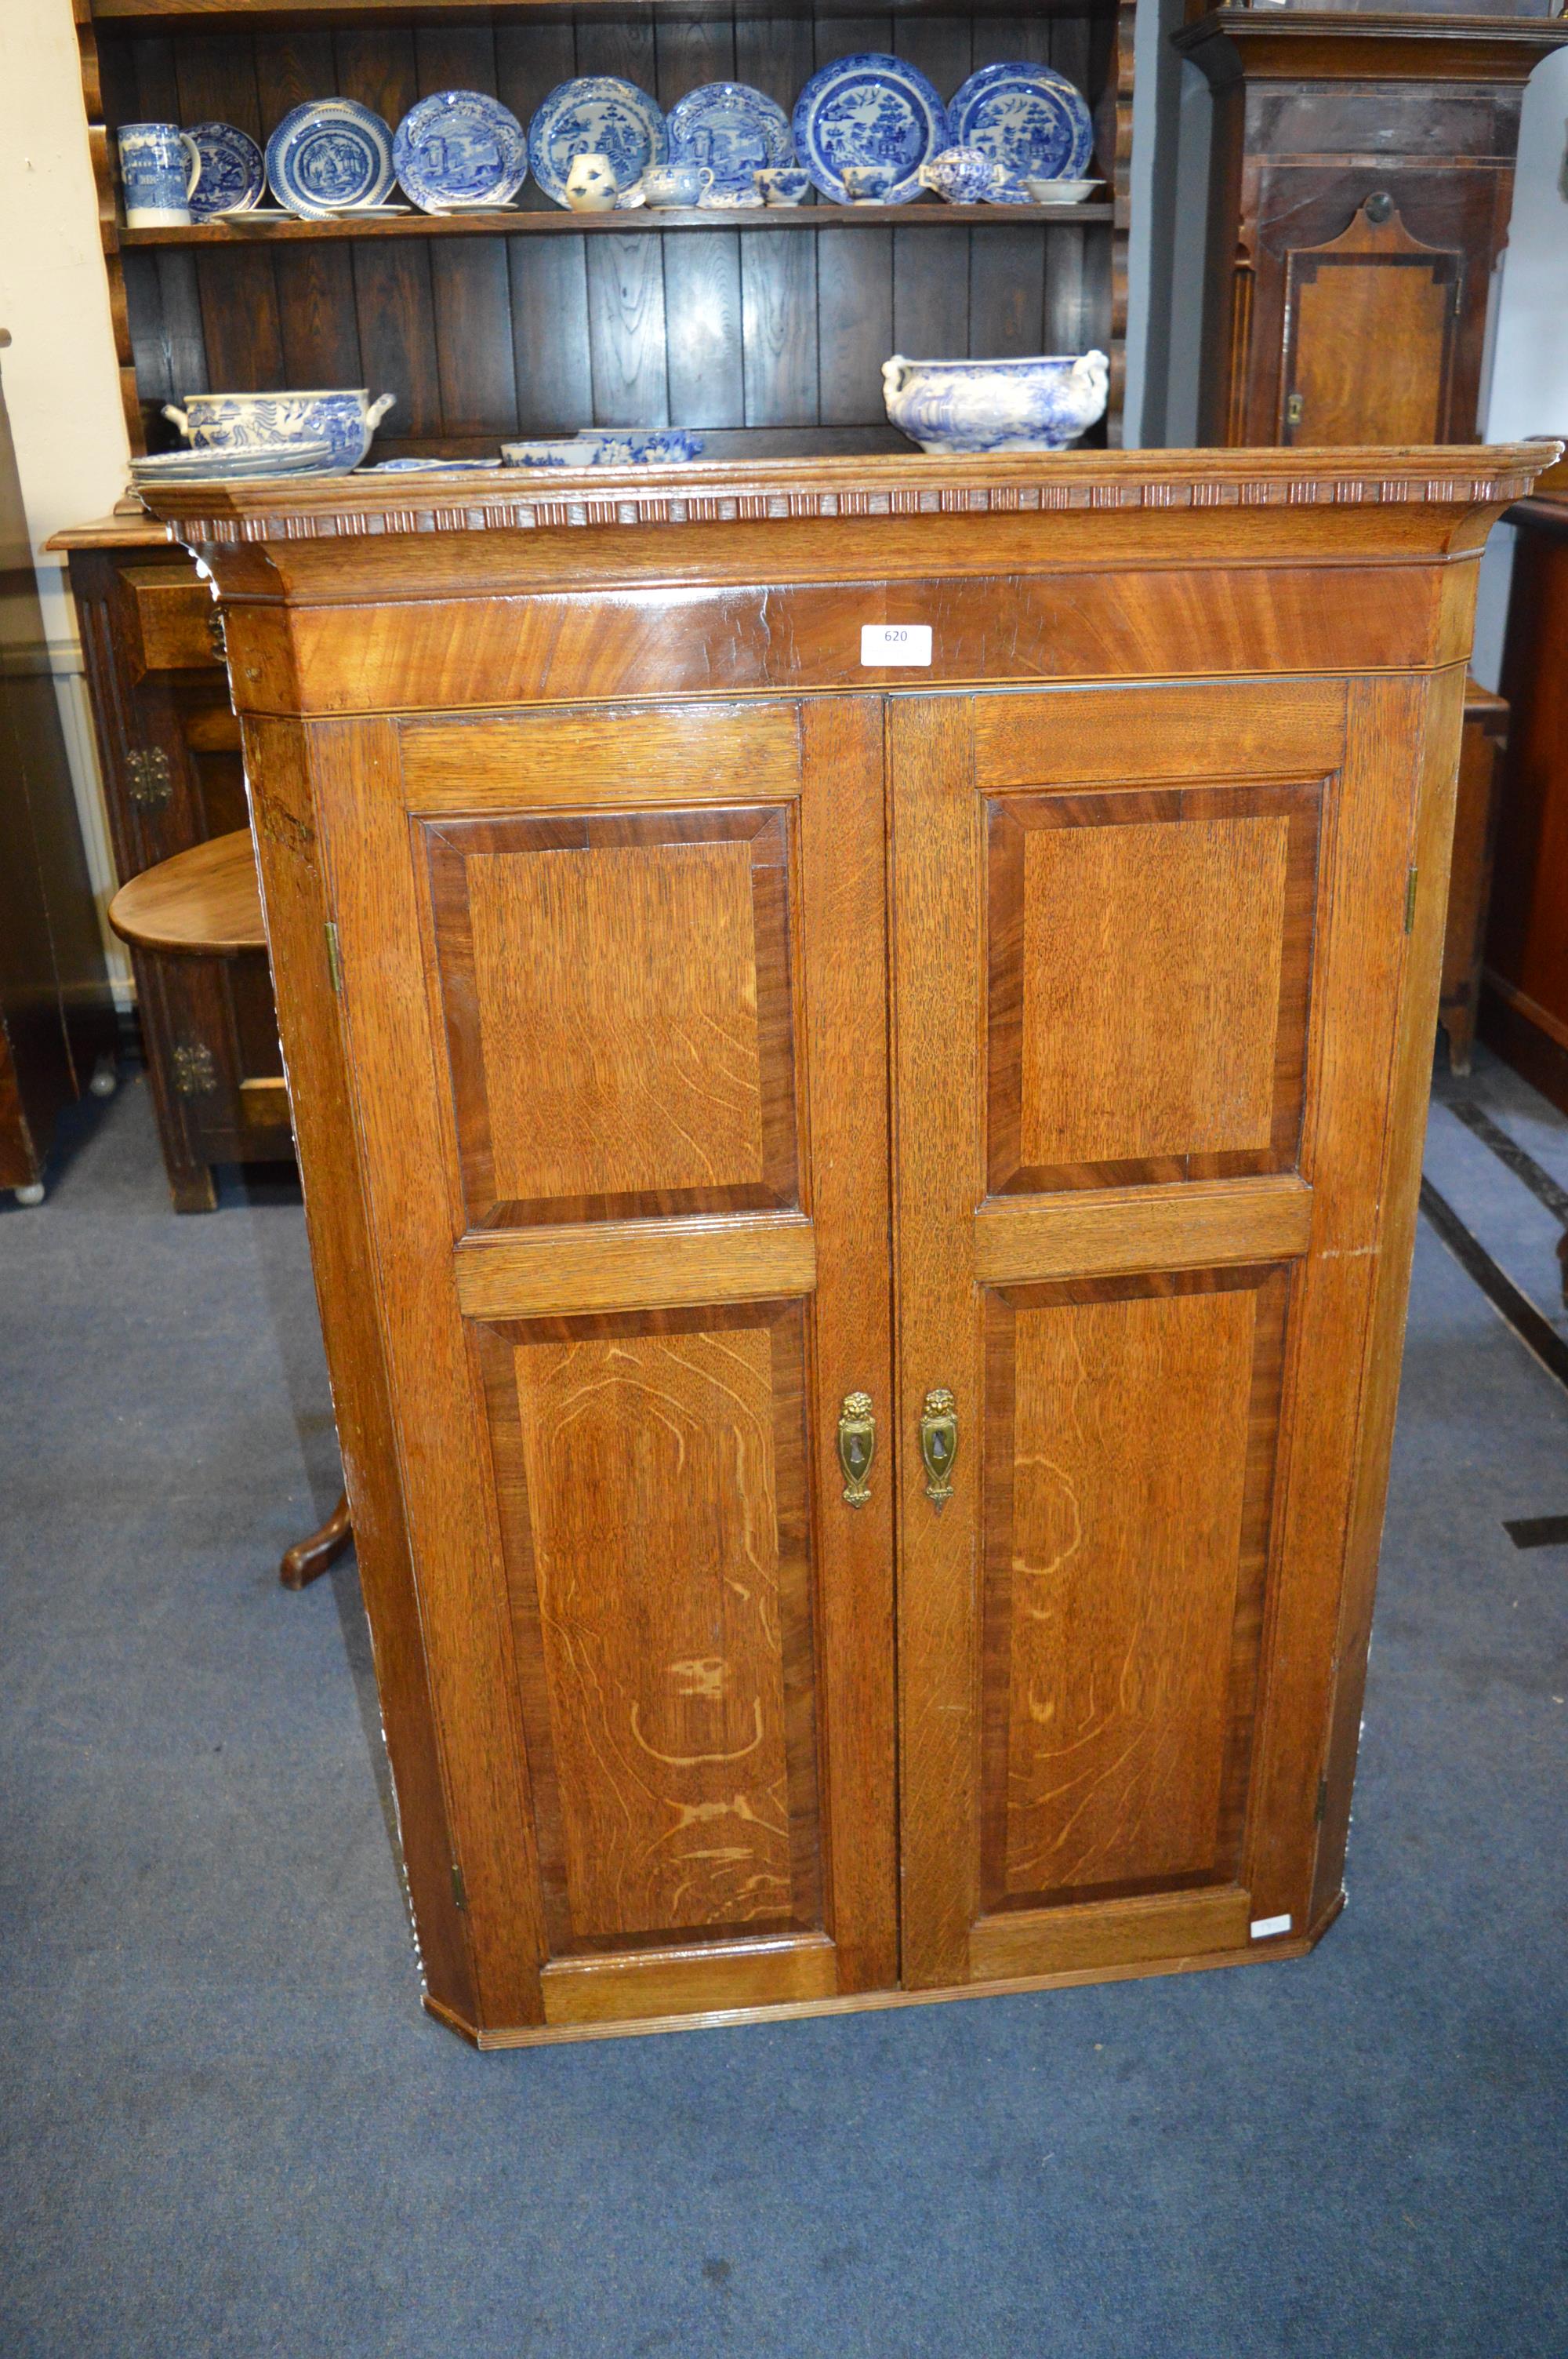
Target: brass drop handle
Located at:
point(857, 1446)
point(938, 1444)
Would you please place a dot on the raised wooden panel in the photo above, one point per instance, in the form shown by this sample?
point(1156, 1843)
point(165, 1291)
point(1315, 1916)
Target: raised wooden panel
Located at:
point(617, 997)
point(1370, 322)
point(1149, 957)
point(652, 1477)
point(1131, 1437)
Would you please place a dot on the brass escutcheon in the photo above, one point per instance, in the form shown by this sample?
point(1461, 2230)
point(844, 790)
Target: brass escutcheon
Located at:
point(857, 1446)
point(938, 1444)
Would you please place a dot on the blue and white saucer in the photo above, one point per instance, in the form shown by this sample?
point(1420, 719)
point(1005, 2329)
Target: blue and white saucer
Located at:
point(234, 171)
point(461, 151)
point(597, 114)
point(733, 129)
point(868, 109)
point(329, 156)
point(1030, 118)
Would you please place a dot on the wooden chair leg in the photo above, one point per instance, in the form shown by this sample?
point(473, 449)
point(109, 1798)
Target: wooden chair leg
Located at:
point(309, 1559)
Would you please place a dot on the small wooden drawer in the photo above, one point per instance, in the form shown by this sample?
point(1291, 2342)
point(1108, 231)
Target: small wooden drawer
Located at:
point(171, 616)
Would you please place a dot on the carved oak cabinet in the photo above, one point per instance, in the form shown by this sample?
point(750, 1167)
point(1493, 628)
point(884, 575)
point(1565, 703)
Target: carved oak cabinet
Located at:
point(862, 1208)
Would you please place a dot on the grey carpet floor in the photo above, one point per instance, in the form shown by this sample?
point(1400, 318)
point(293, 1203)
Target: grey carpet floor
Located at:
point(226, 2127)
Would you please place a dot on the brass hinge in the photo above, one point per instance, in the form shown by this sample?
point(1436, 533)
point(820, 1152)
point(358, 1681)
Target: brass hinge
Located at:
point(194, 1070)
point(460, 1890)
point(1322, 1810)
point(1458, 297)
point(218, 638)
point(1409, 900)
point(152, 779)
point(1295, 409)
point(334, 963)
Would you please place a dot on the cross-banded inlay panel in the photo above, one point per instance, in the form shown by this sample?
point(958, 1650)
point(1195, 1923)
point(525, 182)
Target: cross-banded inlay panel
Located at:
point(616, 994)
point(1129, 1453)
point(1148, 983)
point(652, 1473)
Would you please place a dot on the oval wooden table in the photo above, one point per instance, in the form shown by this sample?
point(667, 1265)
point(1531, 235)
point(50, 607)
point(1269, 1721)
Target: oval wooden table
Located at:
point(206, 903)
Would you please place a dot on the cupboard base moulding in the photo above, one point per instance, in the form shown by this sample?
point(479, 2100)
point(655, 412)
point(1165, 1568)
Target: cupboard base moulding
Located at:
point(1280, 1950)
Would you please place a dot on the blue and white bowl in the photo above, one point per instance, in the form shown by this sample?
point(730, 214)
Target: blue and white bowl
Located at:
point(956, 407)
point(263, 421)
point(461, 151)
point(330, 157)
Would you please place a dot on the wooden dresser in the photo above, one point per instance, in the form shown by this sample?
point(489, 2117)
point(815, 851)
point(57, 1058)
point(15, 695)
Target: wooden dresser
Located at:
point(810, 1137)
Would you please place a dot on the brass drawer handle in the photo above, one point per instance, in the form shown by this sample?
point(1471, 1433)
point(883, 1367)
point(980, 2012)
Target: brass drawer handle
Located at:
point(938, 1444)
point(857, 1446)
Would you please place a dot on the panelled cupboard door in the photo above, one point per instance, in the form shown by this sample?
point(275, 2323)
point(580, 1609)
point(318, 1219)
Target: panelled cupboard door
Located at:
point(1150, 944)
point(616, 982)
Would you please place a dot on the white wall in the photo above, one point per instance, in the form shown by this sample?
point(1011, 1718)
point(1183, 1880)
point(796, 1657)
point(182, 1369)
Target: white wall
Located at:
point(1527, 392)
point(62, 386)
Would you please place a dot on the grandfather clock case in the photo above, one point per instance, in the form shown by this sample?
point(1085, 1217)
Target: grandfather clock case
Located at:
point(1361, 178)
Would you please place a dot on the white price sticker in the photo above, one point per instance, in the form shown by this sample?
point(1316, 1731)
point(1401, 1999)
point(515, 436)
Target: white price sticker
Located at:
point(895, 643)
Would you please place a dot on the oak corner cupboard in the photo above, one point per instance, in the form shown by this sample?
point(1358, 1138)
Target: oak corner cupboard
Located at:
point(801, 1153)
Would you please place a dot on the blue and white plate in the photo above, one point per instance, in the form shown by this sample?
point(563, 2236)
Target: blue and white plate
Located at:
point(869, 110)
point(461, 150)
point(1029, 118)
point(733, 129)
point(234, 171)
point(254, 466)
point(329, 155)
point(611, 446)
point(597, 114)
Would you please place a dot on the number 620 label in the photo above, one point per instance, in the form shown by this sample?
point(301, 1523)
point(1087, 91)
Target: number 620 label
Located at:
point(895, 643)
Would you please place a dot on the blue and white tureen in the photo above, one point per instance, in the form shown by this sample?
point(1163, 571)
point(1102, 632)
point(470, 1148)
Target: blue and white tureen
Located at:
point(869, 110)
point(1039, 403)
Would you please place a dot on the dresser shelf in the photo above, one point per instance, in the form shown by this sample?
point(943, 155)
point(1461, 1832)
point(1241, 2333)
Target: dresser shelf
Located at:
point(534, 319)
point(643, 222)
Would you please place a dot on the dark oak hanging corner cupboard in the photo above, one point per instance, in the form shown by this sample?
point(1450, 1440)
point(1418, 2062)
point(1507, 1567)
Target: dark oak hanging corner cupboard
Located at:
point(770, 334)
point(862, 1215)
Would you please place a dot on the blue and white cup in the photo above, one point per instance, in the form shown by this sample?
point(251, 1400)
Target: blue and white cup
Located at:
point(160, 166)
point(866, 184)
point(676, 184)
point(782, 184)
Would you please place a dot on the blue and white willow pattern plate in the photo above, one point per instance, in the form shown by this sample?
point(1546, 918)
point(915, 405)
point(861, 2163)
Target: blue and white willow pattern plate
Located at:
point(327, 156)
point(459, 149)
point(1030, 119)
point(869, 110)
point(233, 171)
point(733, 129)
point(597, 114)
